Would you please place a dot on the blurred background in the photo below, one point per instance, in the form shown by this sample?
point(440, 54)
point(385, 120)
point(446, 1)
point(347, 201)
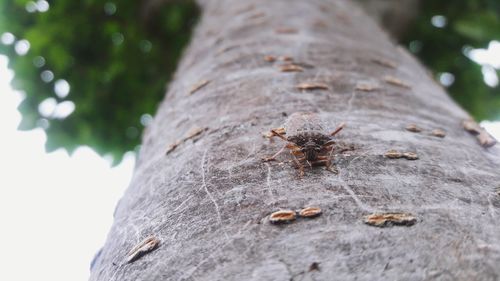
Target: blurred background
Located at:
point(79, 81)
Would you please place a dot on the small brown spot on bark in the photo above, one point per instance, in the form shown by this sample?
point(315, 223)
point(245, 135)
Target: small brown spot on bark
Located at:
point(390, 219)
point(312, 86)
point(413, 128)
point(472, 126)
point(384, 62)
point(270, 58)
point(320, 24)
point(290, 68)
point(171, 147)
point(310, 212)
point(225, 49)
point(366, 87)
point(144, 247)
point(195, 131)
point(393, 154)
point(438, 133)
point(410, 155)
point(484, 138)
point(286, 30)
point(396, 82)
point(198, 86)
point(282, 216)
point(256, 15)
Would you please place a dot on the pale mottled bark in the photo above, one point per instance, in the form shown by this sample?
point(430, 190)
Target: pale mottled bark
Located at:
point(208, 198)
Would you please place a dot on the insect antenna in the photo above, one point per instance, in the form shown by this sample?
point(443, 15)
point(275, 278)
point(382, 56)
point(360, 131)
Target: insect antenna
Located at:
point(339, 128)
point(278, 135)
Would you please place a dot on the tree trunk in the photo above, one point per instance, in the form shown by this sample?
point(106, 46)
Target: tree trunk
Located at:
point(207, 198)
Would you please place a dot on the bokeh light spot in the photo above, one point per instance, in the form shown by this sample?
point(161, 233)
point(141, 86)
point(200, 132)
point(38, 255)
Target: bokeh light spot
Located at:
point(62, 88)
point(446, 79)
point(47, 107)
point(31, 7)
point(47, 76)
point(439, 21)
point(8, 38)
point(145, 46)
point(110, 8)
point(42, 6)
point(22, 47)
point(146, 119)
point(466, 50)
point(117, 38)
point(63, 109)
point(39, 61)
point(490, 56)
point(490, 76)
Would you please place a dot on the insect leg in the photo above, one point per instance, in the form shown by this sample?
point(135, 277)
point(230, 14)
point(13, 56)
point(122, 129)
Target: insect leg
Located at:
point(329, 143)
point(278, 135)
point(331, 166)
point(327, 163)
point(298, 163)
point(328, 159)
point(272, 158)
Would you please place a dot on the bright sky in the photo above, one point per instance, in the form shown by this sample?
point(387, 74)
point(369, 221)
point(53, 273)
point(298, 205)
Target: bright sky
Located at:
point(56, 210)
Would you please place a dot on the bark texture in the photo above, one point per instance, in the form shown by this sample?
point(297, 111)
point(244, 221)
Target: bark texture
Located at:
point(207, 200)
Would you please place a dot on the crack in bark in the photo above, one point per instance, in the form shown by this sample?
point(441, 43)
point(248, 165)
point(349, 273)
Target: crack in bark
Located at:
point(204, 184)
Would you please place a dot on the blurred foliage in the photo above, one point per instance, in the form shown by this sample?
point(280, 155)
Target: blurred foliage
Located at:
point(464, 25)
point(116, 59)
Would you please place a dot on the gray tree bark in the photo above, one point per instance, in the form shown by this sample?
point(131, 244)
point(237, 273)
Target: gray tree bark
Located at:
point(207, 200)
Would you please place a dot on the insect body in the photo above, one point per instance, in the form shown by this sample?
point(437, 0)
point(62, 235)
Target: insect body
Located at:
point(308, 141)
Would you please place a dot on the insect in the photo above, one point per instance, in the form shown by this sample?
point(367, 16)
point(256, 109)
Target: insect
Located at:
point(308, 141)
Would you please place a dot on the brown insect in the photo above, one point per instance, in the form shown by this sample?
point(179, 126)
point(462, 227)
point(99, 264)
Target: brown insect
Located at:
point(308, 141)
